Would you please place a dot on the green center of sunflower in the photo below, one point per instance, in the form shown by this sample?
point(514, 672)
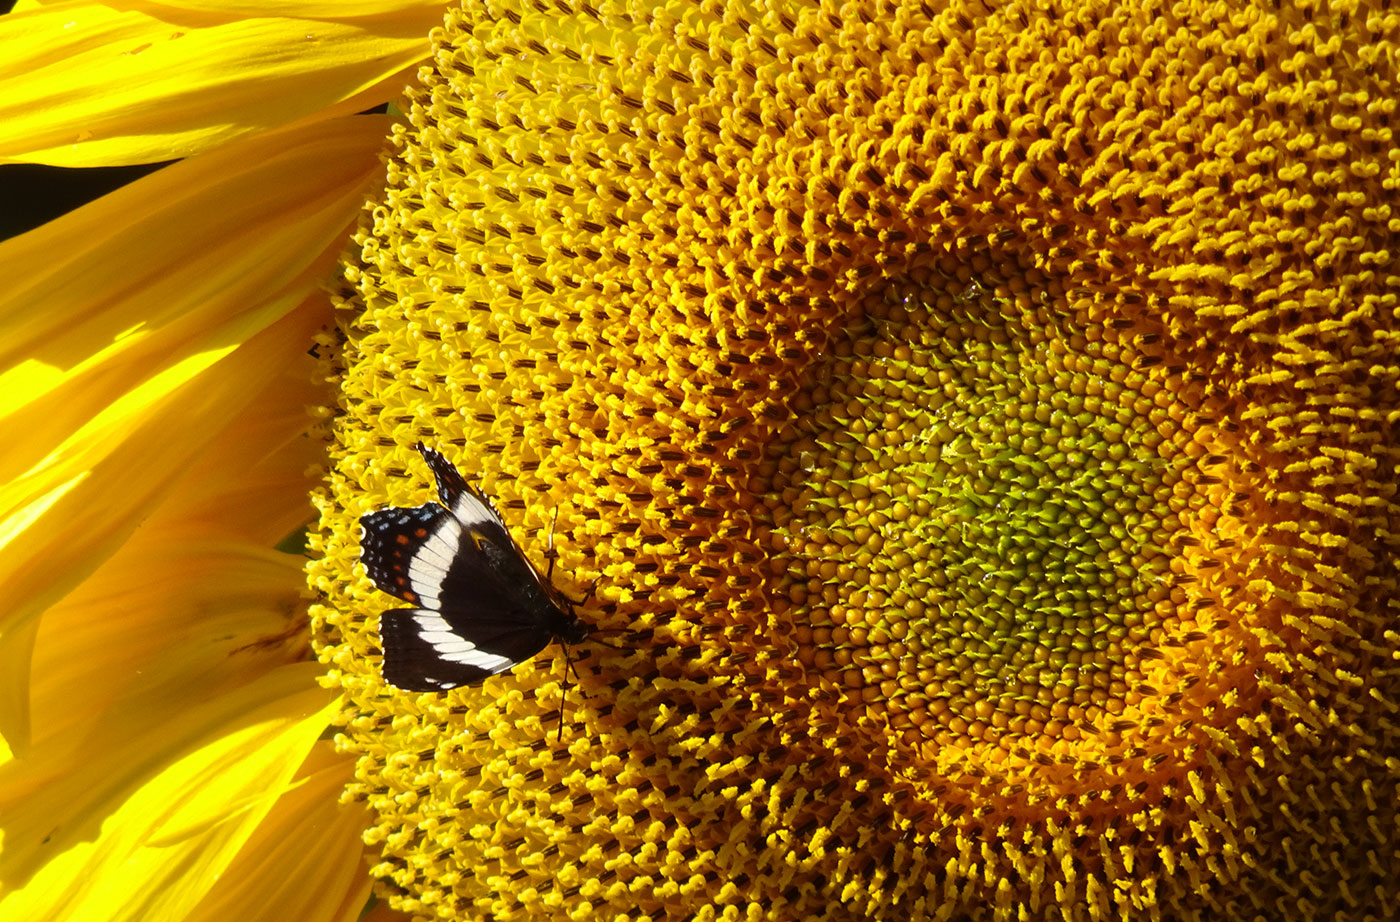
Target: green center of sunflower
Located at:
point(979, 516)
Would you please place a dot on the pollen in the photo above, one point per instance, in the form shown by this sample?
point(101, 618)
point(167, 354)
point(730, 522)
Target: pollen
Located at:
point(974, 430)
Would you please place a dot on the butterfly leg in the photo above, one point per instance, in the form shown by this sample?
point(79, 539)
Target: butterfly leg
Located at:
point(563, 694)
point(591, 586)
point(593, 636)
point(549, 549)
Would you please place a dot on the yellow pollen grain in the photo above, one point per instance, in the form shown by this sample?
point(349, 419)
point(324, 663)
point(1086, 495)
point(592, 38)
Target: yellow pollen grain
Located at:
point(978, 425)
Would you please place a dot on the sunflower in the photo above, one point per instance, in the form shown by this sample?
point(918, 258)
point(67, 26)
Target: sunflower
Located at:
point(976, 422)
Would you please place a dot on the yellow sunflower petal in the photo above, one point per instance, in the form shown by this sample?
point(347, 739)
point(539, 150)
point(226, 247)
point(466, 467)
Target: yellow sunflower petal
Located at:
point(311, 9)
point(99, 500)
point(166, 622)
point(86, 84)
point(160, 852)
point(154, 312)
point(196, 600)
point(305, 861)
point(186, 611)
point(191, 258)
point(257, 490)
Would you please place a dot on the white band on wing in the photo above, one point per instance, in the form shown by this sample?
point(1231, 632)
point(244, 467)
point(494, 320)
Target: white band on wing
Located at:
point(455, 648)
point(473, 510)
point(428, 569)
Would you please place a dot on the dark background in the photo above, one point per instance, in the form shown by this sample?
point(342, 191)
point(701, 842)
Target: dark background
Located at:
point(31, 194)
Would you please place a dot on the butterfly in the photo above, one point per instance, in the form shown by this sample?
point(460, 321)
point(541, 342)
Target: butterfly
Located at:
point(479, 606)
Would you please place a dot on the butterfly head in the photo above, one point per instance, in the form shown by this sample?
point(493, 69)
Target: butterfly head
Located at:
point(568, 627)
point(575, 631)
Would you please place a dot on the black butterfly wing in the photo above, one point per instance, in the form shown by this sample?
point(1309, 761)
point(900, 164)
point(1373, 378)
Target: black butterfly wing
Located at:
point(405, 551)
point(490, 575)
point(450, 482)
point(439, 560)
point(424, 652)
